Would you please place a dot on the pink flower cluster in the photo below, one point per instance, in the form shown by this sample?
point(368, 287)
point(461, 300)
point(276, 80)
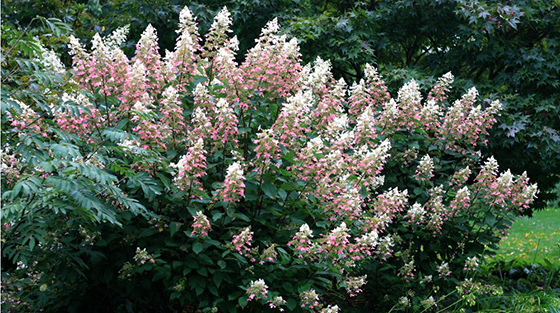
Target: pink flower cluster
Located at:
point(234, 186)
point(242, 242)
point(191, 167)
point(201, 225)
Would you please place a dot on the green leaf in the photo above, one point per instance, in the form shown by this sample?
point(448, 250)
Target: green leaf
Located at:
point(174, 227)
point(242, 302)
point(197, 247)
point(269, 190)
point(222, 264)
point(218, 278)
point(291, 304)
point(31, 243)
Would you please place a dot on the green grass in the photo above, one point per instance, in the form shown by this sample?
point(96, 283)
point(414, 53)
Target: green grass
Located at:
point(526, 267)
point(533, 239)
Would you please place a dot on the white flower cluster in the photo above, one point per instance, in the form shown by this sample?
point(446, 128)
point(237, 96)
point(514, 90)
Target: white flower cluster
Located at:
point(171, 96)
point(148, 40)
point(443, 269)
point(51, 61)
point(304, 232)
point(235, 172)
point(138, 73)
point(369, 240)
point(416, 212)
point(331, 309)
point(490, 166)
point(409, 94)
point(129, 144)
point(371, 73)
point(298, 104)
point(318, 76)
point(446, 80)
point(117, 37)
point(75, 48)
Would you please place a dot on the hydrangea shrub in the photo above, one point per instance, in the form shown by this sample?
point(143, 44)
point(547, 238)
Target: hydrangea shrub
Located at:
point(189, 181)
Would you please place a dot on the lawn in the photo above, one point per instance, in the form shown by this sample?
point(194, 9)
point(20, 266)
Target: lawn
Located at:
point(534, 239)
point(526, 267)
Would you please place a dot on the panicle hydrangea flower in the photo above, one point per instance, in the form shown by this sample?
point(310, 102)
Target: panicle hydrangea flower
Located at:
point(234, 184)
point(292, 123)
point(407, 271)
point(116, 38)
point(375, 87)
point(75, 48)
point(187, 23)
point(201, 225)
point(416, 214)
point(368, 92)
point(338, 125)
point(428, 303)
point(242, 242)
point(84, 123)
point(354, 285)
point(135, 86)
point(409, 94)
point(202, 97)
point(425, 170)
point(331, 309)
point(28, 118)
point(257, 290)
point(471, 264)
point(202, 126)
point(51, 60)
point(142, 109)
point(368, 241)
point(191, 167)
point(147, 51)
point(10, 165)
point(391, 202)
point(225, 126)
point(277, 302)
point(142, 256)
point(309, 299)
point(430, 115)
point(365, 126)
point(439, 92)
point(315, 78)
point(269, 254)
point(272, 66)
point(267, 148)
point(336, 242)
point(301, 241)
point(347, 203)
point(487, 175)
point(172, 113)
point(180, 64)
point(218, 33)
point(443, 269)
point(466, 125)
point(460, 177)
point(371, 163)
point(461, 201)
point(385, 247)
point(438, 213)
